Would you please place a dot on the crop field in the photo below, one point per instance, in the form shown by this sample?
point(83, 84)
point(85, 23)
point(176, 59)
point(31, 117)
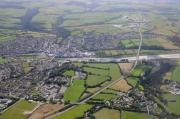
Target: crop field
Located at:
point(122, 86)
point(107, 114)
point(74, 92)
point(74, 113)
point(135, 115)
point(173, 103)
point(16, 111)
point(44, 110)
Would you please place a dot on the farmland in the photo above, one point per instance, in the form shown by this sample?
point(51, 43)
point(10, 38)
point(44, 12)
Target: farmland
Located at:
point(173, 102)
point(107, 114)
point(176, 74)
point(134, 115)
point(17, 110)
point(75, 113)
point(74, 92)
point(53, 52)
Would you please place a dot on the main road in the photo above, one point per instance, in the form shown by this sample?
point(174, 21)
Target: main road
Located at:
point(122, 59)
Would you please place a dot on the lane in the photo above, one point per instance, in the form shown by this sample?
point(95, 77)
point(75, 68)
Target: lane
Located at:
point(139, 48)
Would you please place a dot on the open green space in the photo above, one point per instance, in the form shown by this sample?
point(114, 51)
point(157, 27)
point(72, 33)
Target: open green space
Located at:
point(132, 81)
point(176, 74)
point(74, 113)
point(105, 96)
point(173, 103)
point(107, 114)
point(140, 70)
point(16, 111)
point(69, 73)
point(74, 92)
point(114, 71)
point(102, 72)
point(2, 60)
point(93, 80)
point(135, 115)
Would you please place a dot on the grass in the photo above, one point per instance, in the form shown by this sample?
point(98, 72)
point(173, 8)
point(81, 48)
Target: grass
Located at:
point(2, 60)
point(140, 70)
point(122, 86)
point(94, 80)
point(135, 115)
point(96, 71)
point(16, 111)
point(69, 73)
point(107, 114)
point(173, 102)
point(114, 71)
point(104, 97)
point(74, 92)
point(75, 112)
point(132, 81)
point(176, 74)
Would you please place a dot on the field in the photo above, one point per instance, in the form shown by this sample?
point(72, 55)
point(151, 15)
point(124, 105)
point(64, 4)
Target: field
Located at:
point(122, 86)
point(114, 71)
point(103, 72)
point(94, 80)
point(140, 70)
point(2, 60)
point(106, 95)
point(107, 114)
point(44, 110)
point(176, 74)
point(125, 67)
point(74, 92)
point(132, 81)
point(134, 115)
point(69, 73)
point(75, 112)
point(16, 111)
point(173, 103)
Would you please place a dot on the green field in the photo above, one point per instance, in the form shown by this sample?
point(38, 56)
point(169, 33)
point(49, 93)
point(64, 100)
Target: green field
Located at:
point(16, 111)
point(75, 112)
point(114, 71)
point(74, 92)
point(173, 103)
point(69, 73)
point(107, 114)
point(94, 80)
point(140, 70)
point(176, 74)
point(2, 60)
point(103, 72)
point(132, 81)
point(105, 96)
point(134, 115)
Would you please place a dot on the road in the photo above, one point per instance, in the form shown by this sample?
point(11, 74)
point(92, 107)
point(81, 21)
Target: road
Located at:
point(139, 48)
point(117, 60)
point(82, 101)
